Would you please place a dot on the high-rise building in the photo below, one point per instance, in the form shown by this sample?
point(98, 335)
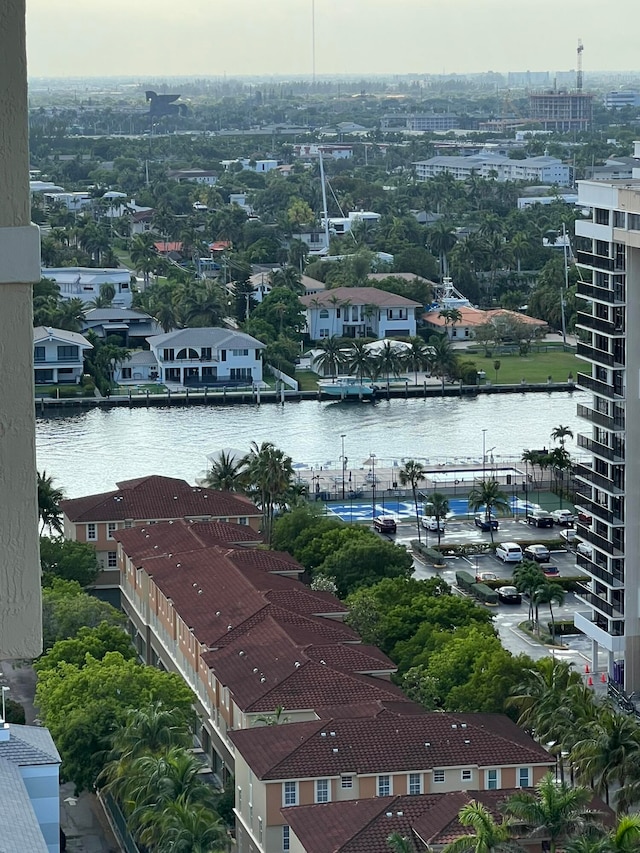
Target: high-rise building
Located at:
point(561, 110)
point(609, 485)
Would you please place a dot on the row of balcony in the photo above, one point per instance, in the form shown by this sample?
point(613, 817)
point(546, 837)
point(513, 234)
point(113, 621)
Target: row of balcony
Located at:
point(599, 324)
point(599, 449)
point(601, 294)
point(600, 356)
point(600, 262)
point(602, 513)
point(584, 472)
point(600, 542)
point(615, 581)
point(597, 602)
point(604, 389)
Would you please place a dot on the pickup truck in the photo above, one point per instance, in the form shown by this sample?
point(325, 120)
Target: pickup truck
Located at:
point(540, 518)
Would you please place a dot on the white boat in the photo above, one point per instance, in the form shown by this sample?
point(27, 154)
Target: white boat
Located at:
point(347, 387)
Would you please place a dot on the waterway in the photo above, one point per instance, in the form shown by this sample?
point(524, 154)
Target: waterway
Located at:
point(89, 452)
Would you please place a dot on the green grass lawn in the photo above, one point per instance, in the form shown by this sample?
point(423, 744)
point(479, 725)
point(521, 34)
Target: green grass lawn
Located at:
point(307, 380)
point(535, 367)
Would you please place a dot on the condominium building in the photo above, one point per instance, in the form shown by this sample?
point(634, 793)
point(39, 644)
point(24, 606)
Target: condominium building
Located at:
point(609, 256)
point(539, 170)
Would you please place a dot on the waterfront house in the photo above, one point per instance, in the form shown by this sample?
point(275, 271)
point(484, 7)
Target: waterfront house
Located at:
point(58, 355)
point(149, 500)
point(359, 312)
point(471, 318)
point(371, 754)
point(132, 327)
point(207, 356)
point(86, 282)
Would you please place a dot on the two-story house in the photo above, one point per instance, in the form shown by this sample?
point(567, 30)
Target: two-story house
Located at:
point(58, 355)
point(398, 752)
point(207, 356)
point(359, 312)
point(149, 500)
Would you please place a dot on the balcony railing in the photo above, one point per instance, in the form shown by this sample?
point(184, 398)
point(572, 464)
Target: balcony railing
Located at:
point(606, 483)
point(607, 327)
point(593, 354)
point(588, 259)
point(602, 294)
point(599, 418)
point(604, 389)
point(599, 449)
point(597, 510)
point(597, 602)
point(598, 572)
point(599, 541)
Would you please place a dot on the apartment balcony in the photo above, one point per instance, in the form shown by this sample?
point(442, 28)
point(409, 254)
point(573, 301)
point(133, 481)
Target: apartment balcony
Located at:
point(597, 602)
point(598, 511)
point(598, 262)
point(599, 449)
point(599, 541)
point(593, 323)
point(598, 572)
point(595, 355)
point(600, 294)
point(604, 389)
point(600, 419)
point(583, 472)
point(611, 642)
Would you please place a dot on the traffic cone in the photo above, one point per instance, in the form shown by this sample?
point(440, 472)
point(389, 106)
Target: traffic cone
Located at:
point(586, 668)
point(590, 682)
point(603, 678)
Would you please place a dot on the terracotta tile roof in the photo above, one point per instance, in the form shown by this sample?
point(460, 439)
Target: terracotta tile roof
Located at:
point(266, 561)
point(175, 537)
point(363, 826)
point(471, 317)
point(358, 296)
point(157, 497)
point(392, 743)
point(352, 658)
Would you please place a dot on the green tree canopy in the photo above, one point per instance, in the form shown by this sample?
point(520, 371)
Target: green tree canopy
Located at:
point(66, 608)
point(95, 642)
point(68, 560)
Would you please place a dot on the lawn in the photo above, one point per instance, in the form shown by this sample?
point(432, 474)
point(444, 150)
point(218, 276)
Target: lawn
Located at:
point(535, 367)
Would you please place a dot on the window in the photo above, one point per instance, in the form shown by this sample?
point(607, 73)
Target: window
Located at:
point(492, 780)
point(125, 372)
point(324, 314)
point(523, 777)
point(240, 373)
point(167, 355)
point(290, 794)
point(128, 524)
point(187, 353)
point(322, 790)
point(438, 775)
point(112, 559)
point(205, 354)
point(324, 333)
point(338, 313)
point(67, 353)
point(111, 526)
point(38, 354)
point(384, 786)
point(346, 782)
point(239, 353)
point(466, 775)
point(286, 838)
point(92, 533)
point(243, 520)
point(415, 783)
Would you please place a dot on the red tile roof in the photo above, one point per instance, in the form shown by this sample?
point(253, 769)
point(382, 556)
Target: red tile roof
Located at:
point(388, 743)
point(175, 537)
point(357, 296)
point(157, 497)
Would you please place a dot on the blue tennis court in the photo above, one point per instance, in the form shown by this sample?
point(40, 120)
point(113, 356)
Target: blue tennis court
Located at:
point(403, 510)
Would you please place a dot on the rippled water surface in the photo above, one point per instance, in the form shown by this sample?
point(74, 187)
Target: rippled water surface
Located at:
point(90, 451)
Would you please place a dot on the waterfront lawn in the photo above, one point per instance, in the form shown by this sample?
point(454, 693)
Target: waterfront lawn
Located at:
point(535, 367)
point(307, 380)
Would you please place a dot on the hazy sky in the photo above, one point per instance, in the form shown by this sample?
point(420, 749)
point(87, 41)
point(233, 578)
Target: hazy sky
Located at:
point(212, 37)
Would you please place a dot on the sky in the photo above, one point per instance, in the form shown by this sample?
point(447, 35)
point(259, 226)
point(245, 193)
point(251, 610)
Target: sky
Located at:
point(157, 38)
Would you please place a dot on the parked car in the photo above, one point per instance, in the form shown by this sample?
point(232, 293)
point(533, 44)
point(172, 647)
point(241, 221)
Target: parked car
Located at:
point(509, 552)
point(480, 520)
point(385, 524)
point(584, 518)
point(481, 577)
point(430, 522)
point(540, 517)
point(509, 595)
point(569, 537)
point(584, 548)
point(563, 517)
point(539, 553)
point(550, 571)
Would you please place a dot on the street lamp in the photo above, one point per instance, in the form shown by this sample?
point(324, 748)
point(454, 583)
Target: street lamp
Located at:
point(5, 690)
point(373, 485)
point(344, 461)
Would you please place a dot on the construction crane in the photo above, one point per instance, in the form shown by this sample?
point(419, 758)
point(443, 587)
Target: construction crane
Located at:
point(579, 74)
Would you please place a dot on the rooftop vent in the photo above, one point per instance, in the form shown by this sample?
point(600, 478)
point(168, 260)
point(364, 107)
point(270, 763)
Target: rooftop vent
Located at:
point(323, 734)
point(463, 725)
point(297, 664)
point(333, 734)
point(427, 743)
point(389, 814)
point(199, 592)
point(217, 613)
point(454, 725)
point(467, 741)
point(262, 680)
point(194, 584)
point(335, 750)
point(399, 814)
point(241, 653)
point(229, 627)
point(255, 669)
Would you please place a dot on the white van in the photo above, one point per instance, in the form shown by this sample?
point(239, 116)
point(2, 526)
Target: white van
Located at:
point(509, 552)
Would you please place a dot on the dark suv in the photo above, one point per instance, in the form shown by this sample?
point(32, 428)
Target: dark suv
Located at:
point(540, 518)
point(484, 523)
point(385, 524)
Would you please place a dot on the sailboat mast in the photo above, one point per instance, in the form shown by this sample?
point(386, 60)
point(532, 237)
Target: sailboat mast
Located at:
point(324, 199)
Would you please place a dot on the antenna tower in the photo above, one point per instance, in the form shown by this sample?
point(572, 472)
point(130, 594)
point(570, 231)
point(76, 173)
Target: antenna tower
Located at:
point(579, 74)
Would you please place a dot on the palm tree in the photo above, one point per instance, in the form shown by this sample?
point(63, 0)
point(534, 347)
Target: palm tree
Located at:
point(331, 357)
point(450, 315)
point(443, 357)
point(528, 577)
point(226, 473)
point(610, 746)
point(438, 505)
point(269, 477)
point(547, 594)
point(188, 828)
point(538, 699)
point(441, 238)
point(400, 843)
point(412, 474)
point(49, 498)
point(625, 838)
point(417, 356)
point(359, 360)
point(556, 811)
point(519, 245)
point(488, 836)
point(488, 494)
point(389, 360)
point(561, 434)
point(278, 717)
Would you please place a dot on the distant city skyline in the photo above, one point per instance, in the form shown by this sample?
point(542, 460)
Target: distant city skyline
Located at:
point(154, 38)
